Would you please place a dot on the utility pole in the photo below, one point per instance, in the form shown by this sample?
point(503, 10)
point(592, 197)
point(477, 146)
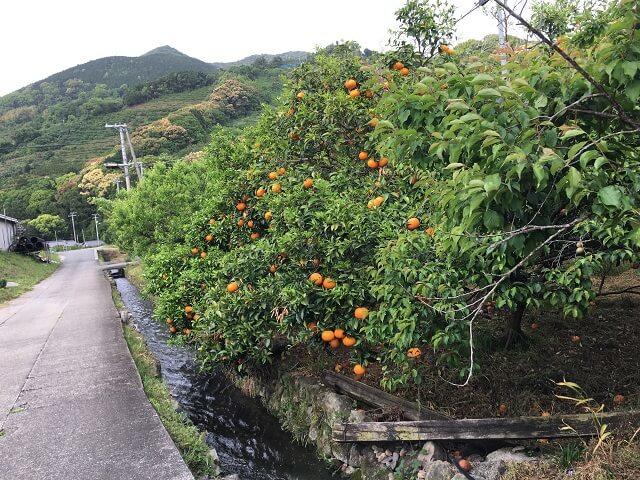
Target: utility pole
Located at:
point(73, 215)
point(95, 219)
point(84, 240)
point(117, 181)
point(136, 164)
point(124, 133)
point(502, 36)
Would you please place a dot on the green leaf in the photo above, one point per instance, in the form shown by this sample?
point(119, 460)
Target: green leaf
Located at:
point(489, 92)
point(541, 101)
point(574, 132)
point(611, 196)
point(470, 116)
point(492, 219)
point(599, 162)
point(574, 177)
point(492, 183)
point(481, 78)
point(454, 166)
point(541, 174)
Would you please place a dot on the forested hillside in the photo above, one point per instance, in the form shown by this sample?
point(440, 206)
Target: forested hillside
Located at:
point(53, 139)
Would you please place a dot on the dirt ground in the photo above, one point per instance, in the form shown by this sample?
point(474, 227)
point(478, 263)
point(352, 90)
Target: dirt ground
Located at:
point(604, 362)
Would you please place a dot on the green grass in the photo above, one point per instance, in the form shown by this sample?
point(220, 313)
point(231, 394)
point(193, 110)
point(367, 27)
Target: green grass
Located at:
point(23, 270)
point(188, 439)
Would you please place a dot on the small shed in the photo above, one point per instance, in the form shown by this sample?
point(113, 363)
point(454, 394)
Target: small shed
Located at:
point(8, 231)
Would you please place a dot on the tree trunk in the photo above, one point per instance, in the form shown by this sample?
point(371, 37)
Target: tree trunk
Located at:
point(514, 333)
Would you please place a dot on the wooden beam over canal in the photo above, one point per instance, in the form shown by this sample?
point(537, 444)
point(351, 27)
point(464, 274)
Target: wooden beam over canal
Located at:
point(520, 428)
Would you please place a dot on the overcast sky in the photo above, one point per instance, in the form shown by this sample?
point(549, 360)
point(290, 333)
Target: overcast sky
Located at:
point(42, 37)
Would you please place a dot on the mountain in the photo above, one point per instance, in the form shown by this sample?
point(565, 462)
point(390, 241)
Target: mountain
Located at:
point(294, 57)
point(117, 71)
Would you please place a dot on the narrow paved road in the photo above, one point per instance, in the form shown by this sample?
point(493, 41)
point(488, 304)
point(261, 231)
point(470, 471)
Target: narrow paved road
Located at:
point(71, 402)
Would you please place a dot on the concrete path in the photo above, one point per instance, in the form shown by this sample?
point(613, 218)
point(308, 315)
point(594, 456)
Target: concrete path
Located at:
point(71, 402)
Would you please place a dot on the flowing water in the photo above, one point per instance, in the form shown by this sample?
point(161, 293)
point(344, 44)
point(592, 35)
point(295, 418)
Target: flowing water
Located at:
point(247, 438)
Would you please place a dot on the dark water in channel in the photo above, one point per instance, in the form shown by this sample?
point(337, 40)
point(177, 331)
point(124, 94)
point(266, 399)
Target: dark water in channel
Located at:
point(248, 439)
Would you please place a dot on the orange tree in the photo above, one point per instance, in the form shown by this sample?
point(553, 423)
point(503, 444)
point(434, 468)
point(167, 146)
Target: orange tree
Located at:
point(533, 179)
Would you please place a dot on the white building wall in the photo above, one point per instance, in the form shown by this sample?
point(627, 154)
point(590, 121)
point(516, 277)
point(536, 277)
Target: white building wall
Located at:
point(7, 232)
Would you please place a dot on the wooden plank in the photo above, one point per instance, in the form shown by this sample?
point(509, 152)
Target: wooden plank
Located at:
point(114, 266)
point(479, 429)
point(377, 398)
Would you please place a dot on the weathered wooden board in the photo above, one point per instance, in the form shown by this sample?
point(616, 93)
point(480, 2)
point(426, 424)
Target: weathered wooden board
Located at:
point(116, 266)
point(377, 398)
point(480, 429)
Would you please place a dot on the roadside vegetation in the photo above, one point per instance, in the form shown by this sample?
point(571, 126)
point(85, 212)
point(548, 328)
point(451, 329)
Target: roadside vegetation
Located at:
point(23, 270)
point(185, 435)
point(445, 227)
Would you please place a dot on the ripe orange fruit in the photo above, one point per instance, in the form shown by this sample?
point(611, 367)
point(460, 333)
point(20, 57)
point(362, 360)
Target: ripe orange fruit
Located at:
point(241, 207)
point(308, 183)
point(232, 287)
point(618, 399)
point(348, 342)
point(363, 155)
point(575, 338)
point(327, 336)
point(272, 175)
point(376, 202)
point(295, 136)
point(273, 268)
point(212, 221)
point(169, 321)
point(300, 95)
point(329, 283)
point(186, 331)
point(368, 93)
point(414, 352)
point(361, 313)
point(250, 224)
point(276, 188)
point(316, 278)
point(281, 171)
point(335, 343)
point(430, 231)
point(260, 192)
point(255, 236)
point(195, 250)
point(339, 333)
point(413, 223)
point(359, 369)
point(534, 326)
point(374, 122)
point(355, 93)
point(203, 255)
point(312, 326)
point(371, 163)
point(383, 162)
point(350, 84)
point(268, 216)
point(446, 49)
point(398, 66)
point(240, 222)
point(465, 465)
point(502, 409)
point(188, 309)
point(404, 71)
point(208, 238)
point(173, 329)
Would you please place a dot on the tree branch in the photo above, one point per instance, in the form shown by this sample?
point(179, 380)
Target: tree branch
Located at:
point(598, 86)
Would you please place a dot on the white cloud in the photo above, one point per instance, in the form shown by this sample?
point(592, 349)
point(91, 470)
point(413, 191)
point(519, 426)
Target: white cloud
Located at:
point(42, 37)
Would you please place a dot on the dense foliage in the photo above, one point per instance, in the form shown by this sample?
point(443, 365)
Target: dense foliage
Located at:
point(398, 204)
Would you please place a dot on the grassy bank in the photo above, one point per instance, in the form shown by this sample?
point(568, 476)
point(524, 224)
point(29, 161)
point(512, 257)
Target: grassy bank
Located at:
point(185, 435)
point(23, 270)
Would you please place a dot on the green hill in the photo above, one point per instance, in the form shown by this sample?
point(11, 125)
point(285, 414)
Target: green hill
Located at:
point(53, 139)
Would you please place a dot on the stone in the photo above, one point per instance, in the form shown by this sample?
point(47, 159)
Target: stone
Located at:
point(235, 476)
point(340, 451)
point(422, 474)
point(357, 416)
point(475, 458)
point(349, 470)
point(430, 452)
point(439, 470)
point(394, 461)
point(354, 456)
point(507, 455)
point(214, 455)
point(489, 470)
point(336, 407)
point(313, 433)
